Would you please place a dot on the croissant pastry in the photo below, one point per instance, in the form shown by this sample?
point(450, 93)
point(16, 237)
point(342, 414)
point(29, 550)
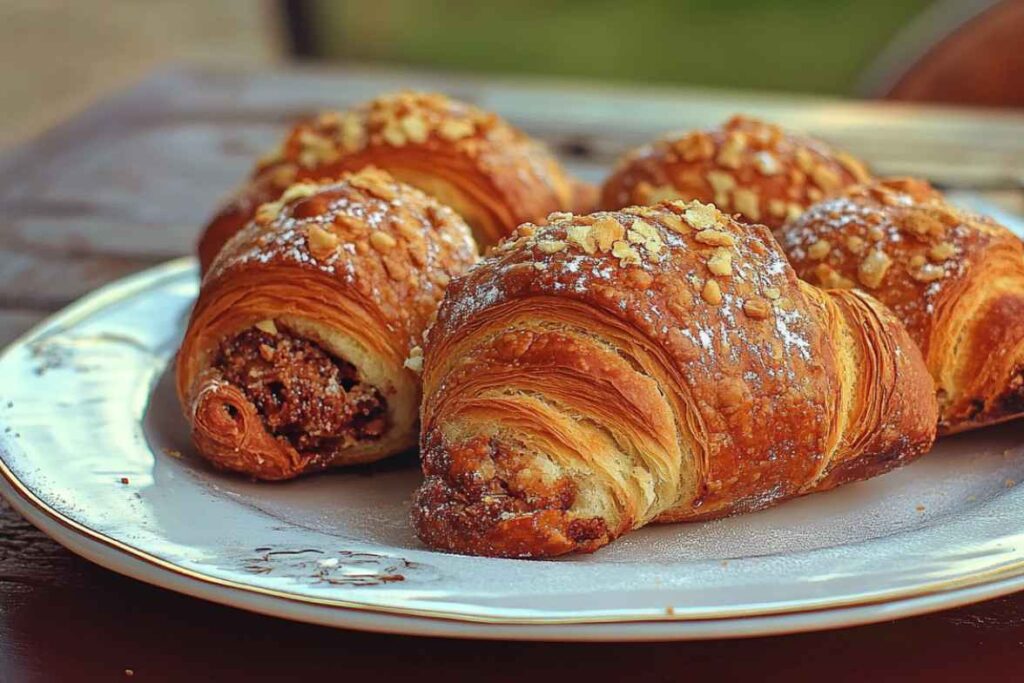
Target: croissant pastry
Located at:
point(490, 173)
point(293, 357)
point(654, 364)
point(955, 279)
point(747, 167)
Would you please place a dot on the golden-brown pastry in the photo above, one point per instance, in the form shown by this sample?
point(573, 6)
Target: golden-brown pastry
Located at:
point(747, 167)
point(955, 279)
point(490, 173)
point(653, 364)
point(293, 360)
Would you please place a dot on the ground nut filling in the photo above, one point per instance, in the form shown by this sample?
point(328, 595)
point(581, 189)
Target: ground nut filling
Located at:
point(305, 396)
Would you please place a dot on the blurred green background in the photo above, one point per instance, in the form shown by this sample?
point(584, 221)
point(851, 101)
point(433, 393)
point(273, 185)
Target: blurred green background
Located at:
point(819, 46)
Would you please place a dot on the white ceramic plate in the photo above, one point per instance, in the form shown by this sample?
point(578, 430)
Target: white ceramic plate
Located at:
point(95, 452)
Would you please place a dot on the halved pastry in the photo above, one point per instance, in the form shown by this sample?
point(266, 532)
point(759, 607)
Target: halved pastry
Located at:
point(746, 166)
point(490, 173)
point(664, 363)
point(294, 357)
point(955, 279)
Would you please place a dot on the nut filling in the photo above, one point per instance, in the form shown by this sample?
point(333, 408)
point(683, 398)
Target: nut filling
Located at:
point(304, 395)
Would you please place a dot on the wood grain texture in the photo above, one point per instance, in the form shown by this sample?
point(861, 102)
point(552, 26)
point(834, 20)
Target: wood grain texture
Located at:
point(128, 183)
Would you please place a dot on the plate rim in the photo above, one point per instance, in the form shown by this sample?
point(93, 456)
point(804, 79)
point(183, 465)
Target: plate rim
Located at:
point(68, 532)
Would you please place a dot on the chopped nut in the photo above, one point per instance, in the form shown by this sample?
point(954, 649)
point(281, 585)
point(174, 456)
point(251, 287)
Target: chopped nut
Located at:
point(766, 163)
point(626, 254)
point(696, 146)
point(804, 160)
point(746, 202)
point(819, 250)
point(772, 293)
point(583, 236)
point(873, 268)
point(855, 244)
point(830, 278)
point(731, 153)
point(415, 128)
point(645, 230)
point(267, 326)
point(674, 223)
point(777, 207)
point(923, 224)
point(701, 216)
point(353, 134)
point(794, 211)
point(267, 352)
point(415, 360)
point(550, 246)
point(382, 241)
point(393, 135)
point(322, 244)
point(825, 178)
point(456, 129)
point(716, 238)
point(720, 262)
point(298, 191)
point(852, 166)
point(559, 216)
point(606, 232)
point(755, 308)
point(917, 260)
point(721, 181)
point(941, 251)
point(928, 273)
point(712, 293)
point(876, 233)
point(650, 194)
point(814, 194)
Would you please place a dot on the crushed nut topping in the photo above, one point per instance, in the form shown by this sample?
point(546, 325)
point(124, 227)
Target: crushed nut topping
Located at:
point(415, 360)
point(819, 250)
point(772, 293)
point(873, 268)
point(855, 244)
point(267, 326)
point(746, 202)
point(626, 254)
point(755, 308)
point(766, 163)
point(712, 293)
point(941, 251)
point(322, 244)
point(720, 263)
point(830, 278)
point(701, 216)
point(582, 236)
point(382, 241)
point(715, 238)
point(928, 273)
point(606, 232)
point(550, 246)
point(456, 129)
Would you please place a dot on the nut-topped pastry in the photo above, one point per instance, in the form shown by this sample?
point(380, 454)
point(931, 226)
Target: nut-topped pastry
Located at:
point(746, 167)
point(956, 280)
point(490, 173)
point(295, 355)
point(597, 373)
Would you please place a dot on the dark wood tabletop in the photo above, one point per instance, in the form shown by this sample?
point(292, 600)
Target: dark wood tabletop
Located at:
point(128, 183)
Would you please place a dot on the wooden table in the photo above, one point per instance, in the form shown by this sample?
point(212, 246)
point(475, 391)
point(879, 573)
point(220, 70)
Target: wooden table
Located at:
point(127, 184)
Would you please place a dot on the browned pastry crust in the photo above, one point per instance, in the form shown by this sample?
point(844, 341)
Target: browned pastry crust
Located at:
point(493, 175)
point(955, 279)
point(653, 364)
point(295, 358)
point(746, 167)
